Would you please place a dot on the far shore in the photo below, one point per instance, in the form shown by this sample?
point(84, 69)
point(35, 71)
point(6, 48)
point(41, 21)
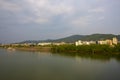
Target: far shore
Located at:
point(41, 49)
point(82, 49)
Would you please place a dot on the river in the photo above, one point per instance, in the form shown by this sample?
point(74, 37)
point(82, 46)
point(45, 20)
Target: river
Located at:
point(24, 65)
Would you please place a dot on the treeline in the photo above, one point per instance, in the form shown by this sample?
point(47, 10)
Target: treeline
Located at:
point(88, 49)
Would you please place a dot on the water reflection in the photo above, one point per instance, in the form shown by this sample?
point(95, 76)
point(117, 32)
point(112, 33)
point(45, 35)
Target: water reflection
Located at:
point(100, 57)
point(77, 56)
point(24, 65)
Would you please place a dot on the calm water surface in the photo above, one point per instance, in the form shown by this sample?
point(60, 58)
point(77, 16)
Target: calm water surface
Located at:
point(22, 65)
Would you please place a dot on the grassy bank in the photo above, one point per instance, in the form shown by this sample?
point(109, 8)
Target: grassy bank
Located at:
point(42, 49)
point(29, 48)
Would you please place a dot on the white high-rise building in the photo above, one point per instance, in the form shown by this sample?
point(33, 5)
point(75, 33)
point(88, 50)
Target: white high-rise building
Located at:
point(115, 41)
point(78, 43)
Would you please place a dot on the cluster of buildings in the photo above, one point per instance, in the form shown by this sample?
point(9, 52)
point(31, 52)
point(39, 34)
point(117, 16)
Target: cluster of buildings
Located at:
point(40, 44)
point(113, 41)
point(49, 43)
point(34, 44)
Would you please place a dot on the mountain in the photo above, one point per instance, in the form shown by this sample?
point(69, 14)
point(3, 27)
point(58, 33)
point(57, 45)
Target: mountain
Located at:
point(96, 37)
point(74, 38)
point(69, 39)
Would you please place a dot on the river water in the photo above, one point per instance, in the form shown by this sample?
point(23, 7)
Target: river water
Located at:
point(23, 65)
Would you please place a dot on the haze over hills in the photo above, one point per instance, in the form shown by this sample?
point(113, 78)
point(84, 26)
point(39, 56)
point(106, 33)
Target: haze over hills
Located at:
point(73, 38)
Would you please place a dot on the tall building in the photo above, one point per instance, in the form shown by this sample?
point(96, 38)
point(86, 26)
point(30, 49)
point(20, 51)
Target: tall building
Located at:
point(78, 43)
point(115, 41)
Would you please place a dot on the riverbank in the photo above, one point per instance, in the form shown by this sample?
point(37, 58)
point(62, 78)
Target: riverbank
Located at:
point(88, 49)
point(35, 49)
point(82, 49)
point(41, 49)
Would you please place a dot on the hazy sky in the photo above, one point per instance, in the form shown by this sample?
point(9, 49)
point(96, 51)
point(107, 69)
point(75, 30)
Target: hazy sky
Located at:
point(49, 19)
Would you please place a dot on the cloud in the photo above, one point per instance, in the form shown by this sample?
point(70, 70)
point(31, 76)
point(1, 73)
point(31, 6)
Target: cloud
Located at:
point(43, 11)
point(97, 10)
point(38, 20)
point(50, 7)
point(101, 18)
point(81, 21)
point(41, 20)
point(57, 17)
point(5, 5)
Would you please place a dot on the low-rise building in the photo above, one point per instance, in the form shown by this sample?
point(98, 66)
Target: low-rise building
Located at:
point(102, 42)
point(49, 43)
point(59, 43)
point(44, 44)
point(79, 42)
point(114, 41)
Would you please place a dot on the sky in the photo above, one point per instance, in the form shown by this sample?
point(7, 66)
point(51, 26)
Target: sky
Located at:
point(51, 19)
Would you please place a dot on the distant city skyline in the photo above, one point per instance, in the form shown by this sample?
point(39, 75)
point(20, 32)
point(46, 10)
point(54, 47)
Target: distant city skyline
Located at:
point(51, 19)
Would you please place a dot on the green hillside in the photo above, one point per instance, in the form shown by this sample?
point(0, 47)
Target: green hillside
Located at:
point(69, 39)
point(96, 37)
point(74, 38)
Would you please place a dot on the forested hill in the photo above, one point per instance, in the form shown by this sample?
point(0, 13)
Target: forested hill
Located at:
point(74, 38)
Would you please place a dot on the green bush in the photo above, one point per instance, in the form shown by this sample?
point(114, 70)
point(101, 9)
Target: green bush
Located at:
point(91, 49)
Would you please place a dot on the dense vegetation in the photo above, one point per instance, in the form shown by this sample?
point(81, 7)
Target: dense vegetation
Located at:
point(71, 48)
point(88, 49)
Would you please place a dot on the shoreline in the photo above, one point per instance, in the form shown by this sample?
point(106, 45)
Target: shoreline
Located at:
point(41, 49)
point(83, 49)
point(35, 49)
